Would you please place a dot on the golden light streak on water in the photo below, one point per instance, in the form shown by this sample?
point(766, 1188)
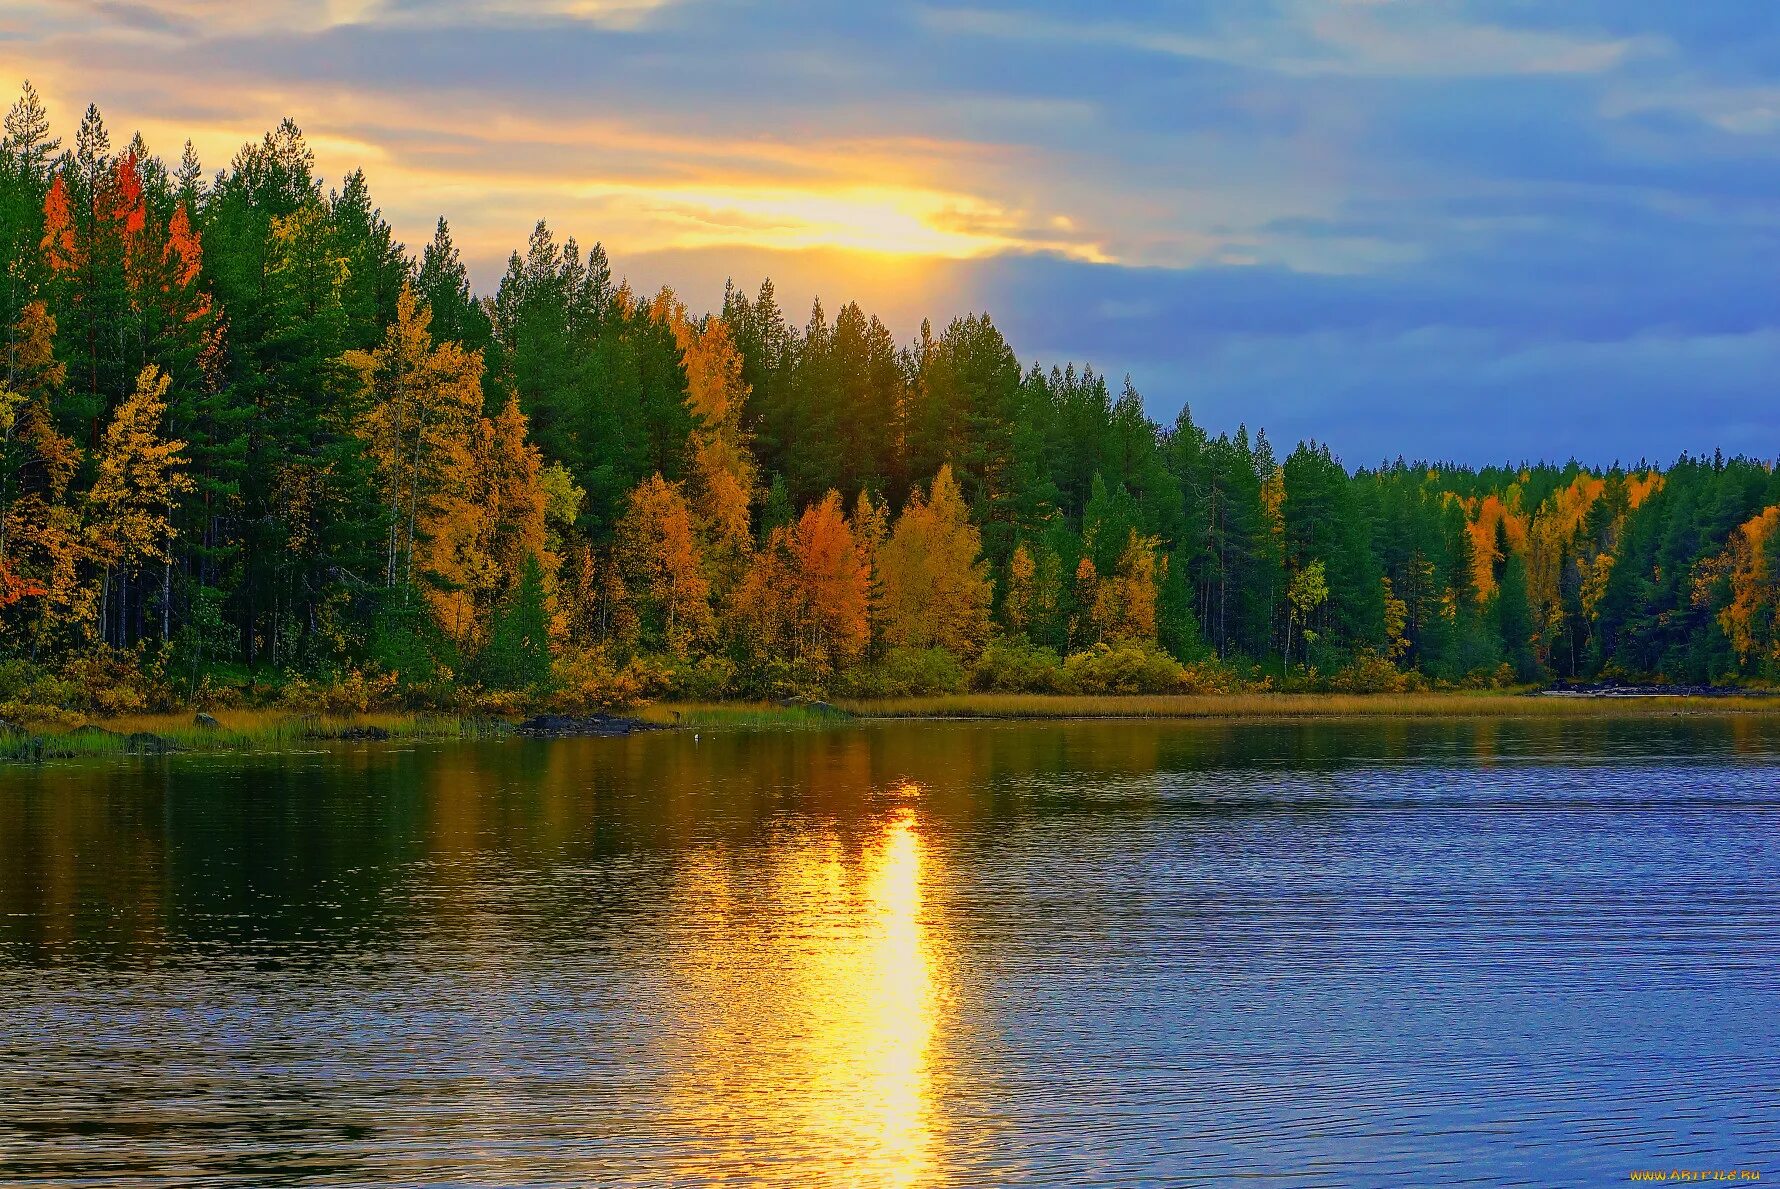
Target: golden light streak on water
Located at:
point(810, 1004)
point(898, 1027)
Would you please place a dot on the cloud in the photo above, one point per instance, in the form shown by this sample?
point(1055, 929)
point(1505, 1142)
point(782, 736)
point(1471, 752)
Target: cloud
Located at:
point(1441, 226)
point(1358, 38)
point(1741, 111)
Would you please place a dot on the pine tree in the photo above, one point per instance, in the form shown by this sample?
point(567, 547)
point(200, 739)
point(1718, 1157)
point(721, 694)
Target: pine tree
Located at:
point(517, 655)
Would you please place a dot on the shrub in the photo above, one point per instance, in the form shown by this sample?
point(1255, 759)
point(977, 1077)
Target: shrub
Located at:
point(1127, 668)
point(906, 673)
point(708, 679)
point(1371, 673)
point(780, 676)
point(1018, 667)
point(112, 681)
point(1213, 676)
point(204, 641)
point(589, 678)
point(22, 681)
point(353, 692)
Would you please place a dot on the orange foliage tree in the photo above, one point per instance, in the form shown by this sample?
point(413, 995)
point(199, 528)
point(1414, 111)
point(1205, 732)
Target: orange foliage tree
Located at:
point(1494, 518)
point(723, 475)
point(808, 596)
point(663, 565)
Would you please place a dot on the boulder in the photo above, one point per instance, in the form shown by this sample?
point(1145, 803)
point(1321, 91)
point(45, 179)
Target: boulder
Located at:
point(208, 722)
point(561, 726)
point(148, 743)
point(359, 734)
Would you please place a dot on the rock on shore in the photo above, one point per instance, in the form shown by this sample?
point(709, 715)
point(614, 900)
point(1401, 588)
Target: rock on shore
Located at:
point(563, 726)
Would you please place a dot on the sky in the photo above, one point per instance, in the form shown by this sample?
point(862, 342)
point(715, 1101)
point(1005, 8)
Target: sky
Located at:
point(1468, 230)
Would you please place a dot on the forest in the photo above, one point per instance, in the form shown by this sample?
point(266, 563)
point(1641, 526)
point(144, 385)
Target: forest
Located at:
point(254, 449)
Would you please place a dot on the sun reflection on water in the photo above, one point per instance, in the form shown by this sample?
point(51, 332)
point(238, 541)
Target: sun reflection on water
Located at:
point(812, 1011)
point(901, 1025)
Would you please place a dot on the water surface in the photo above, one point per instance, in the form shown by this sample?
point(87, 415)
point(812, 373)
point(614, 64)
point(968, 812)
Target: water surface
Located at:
point(911, 954)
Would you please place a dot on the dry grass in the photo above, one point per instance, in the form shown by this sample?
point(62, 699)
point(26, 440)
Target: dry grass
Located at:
point(740, 716)
point(249, 730)
point(237, 730)
point(1301, 706)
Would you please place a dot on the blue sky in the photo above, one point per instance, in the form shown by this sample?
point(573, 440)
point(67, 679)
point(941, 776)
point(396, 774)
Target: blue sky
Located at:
point(1481, 231)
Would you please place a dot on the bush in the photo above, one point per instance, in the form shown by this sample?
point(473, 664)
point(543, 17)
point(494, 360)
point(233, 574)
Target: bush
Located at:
point(906, 673)
point(1213, 676)
point(112, 681)
point(1127, 668)
point(705, 680)
point(1018, 667)
point(31, 692)
point(354, 692)
point(589, 678)
point(774, 676)
point(407, 643)
point(1370, 673)
point(205, 641)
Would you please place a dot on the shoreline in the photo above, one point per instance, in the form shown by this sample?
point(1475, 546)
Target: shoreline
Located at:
point(1265, 707)
point(247, 730)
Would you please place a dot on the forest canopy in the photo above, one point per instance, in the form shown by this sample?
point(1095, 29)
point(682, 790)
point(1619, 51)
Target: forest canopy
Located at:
point(253, 446)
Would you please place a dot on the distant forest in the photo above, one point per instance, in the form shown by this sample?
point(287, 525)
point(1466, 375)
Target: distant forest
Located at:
point(254, 447)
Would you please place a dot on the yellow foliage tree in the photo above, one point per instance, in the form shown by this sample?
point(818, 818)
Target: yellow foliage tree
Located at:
point(1550, 540)
point(1396, 618)
point(422, 406)
point(1082, 629)
point(139, 478)
point(1486, 514)
point(1022, 573)
point(40, 534)
point(871, 528)
point(723, 475)
point(663, 565)
point(495, 518)
point(936, 585)
point(1124, 605)
point(1748, 562)
point(1307, 591)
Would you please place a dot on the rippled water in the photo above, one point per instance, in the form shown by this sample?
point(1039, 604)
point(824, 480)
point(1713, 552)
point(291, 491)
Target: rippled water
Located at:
point(907, 954)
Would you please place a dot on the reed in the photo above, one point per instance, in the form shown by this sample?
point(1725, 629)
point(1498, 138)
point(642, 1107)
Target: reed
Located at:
point(1302, 706)
point(236, 730)
point(742, 716)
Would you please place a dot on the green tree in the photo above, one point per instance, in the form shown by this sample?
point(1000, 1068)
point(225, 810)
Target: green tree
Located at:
point(517, 655)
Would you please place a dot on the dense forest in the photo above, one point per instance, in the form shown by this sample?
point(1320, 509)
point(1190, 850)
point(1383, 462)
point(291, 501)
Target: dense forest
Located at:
point(253, 447)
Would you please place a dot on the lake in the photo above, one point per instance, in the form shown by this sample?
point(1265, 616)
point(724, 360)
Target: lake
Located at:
point(1370, 952)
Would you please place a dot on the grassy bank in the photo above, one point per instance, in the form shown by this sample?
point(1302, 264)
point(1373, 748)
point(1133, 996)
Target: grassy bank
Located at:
point(743, 716)
point(269, 730)
point(234, 730)
point(1302, 706)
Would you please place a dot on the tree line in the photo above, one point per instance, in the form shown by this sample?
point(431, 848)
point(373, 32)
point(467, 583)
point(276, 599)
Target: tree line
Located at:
point(251, 446)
